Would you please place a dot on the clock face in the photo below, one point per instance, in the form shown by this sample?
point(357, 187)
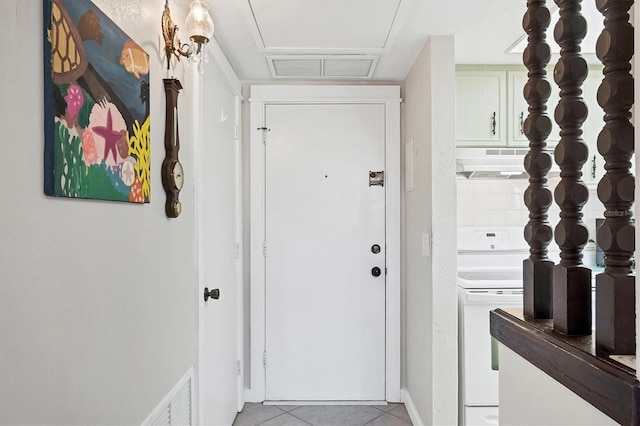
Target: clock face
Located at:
point(177, 175)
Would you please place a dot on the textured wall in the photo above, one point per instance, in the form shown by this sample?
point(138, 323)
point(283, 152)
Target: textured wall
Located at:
point(97, 319)
point(430, 301)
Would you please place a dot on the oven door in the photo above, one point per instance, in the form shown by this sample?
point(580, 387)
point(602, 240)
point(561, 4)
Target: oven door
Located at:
point(479, 361)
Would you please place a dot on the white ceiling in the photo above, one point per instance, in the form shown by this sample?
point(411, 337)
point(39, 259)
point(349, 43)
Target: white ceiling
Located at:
point(388, 33)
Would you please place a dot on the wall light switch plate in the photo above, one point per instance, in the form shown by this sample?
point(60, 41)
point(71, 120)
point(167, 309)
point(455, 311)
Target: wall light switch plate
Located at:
point(426, 244)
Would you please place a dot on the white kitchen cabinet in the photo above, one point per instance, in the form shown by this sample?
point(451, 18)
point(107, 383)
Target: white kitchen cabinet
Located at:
point(481, 98)
point(593, 169)
point(519, 109)
point(482, 92)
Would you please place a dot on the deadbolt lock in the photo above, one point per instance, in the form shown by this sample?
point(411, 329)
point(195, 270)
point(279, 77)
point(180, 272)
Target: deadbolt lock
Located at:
point(375, 249)
point(213, 294)
point(376, 178)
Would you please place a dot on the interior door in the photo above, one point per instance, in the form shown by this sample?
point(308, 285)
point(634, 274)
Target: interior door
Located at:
point(218, 270)
point(325, 231)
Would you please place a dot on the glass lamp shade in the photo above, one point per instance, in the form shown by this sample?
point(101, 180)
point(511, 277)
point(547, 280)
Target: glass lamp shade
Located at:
point(199, 25)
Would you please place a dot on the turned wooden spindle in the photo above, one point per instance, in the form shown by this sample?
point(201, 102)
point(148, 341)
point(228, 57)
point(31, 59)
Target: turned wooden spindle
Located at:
point(537, 269)
point(615, 288)
point(571, 280)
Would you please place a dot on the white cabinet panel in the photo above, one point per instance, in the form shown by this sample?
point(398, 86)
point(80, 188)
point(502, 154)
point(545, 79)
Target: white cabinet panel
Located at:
point(481, 108)
point(518, 108)
point(593, 170)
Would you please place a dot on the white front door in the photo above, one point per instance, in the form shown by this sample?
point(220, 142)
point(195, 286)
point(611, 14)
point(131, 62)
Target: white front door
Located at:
point(325, 308)
point(217, 192)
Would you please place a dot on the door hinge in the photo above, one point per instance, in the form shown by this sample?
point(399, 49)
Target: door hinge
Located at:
point(264, 359)
point(264, 249)
point(239, 368)
point(264, 134)
point(237, 250)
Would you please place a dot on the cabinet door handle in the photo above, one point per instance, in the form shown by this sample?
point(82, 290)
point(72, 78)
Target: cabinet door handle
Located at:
point(522, 122)
point(593, 167)
point(493, 124)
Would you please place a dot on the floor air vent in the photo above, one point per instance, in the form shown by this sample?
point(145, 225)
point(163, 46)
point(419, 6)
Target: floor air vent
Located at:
point(322, 66)
point(177, 407)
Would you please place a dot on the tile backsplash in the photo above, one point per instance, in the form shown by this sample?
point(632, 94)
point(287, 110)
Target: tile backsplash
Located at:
point(500, 202)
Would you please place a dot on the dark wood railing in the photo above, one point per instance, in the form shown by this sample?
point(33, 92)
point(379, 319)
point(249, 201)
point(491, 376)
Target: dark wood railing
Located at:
point(565, 294)
point(571, 279)
point(615, 288)
point(562, 346)
point(538, 268)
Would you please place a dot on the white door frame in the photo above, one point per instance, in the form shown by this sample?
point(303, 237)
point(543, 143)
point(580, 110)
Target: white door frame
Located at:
point(261, 96)
point(231, 80)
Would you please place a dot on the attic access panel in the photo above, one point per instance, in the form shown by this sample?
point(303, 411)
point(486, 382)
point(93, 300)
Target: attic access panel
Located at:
point(344, 24)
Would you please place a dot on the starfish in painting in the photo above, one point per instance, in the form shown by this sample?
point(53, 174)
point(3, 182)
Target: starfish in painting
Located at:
point(111, 137)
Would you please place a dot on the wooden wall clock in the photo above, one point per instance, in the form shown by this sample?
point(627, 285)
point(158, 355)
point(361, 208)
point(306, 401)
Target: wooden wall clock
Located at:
point(172, 171)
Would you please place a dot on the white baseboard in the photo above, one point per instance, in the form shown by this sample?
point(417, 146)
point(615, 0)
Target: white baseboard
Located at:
point(411, 407)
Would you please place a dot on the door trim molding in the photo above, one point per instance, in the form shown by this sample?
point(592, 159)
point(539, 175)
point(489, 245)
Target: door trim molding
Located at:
point(263, 95)
point(197, 79)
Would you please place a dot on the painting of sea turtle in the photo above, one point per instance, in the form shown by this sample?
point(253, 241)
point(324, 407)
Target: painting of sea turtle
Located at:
point(97, 121)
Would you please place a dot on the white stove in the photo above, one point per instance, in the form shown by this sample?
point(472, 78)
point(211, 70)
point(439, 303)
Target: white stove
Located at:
point(489, 277)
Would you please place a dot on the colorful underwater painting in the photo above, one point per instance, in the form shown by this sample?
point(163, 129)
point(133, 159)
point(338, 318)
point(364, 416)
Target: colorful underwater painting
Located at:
point(97, 123)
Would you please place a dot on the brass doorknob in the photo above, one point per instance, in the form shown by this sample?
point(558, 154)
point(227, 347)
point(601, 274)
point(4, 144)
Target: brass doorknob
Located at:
point(376, 271)
point(214, 294)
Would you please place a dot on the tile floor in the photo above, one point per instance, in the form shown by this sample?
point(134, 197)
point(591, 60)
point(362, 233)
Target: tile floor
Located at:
point(323, 415)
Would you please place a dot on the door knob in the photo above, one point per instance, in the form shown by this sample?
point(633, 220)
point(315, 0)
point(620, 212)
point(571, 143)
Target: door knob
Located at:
point(375, 271)
point(214, 294)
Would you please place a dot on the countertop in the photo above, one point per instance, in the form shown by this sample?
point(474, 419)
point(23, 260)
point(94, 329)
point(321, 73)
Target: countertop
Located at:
point(605, 382)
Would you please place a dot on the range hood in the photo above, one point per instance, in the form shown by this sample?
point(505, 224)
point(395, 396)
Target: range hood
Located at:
point(493, 163)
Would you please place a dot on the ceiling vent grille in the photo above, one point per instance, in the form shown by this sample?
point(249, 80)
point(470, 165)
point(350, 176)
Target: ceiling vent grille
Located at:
point(322, 66)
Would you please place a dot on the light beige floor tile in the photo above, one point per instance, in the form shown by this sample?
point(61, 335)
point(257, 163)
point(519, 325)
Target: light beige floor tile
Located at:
point(400, 411)
point(287, 408)
point(256, 414)
point(389, 420)
point(334, 415)
point(285, 420)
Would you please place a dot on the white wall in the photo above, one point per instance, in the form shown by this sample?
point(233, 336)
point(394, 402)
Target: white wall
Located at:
point(97, 298)
point(430, 329)
point(561, 406)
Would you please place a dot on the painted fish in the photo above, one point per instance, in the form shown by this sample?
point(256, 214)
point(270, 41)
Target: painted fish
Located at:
point(90, 28)
point(134, 59)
